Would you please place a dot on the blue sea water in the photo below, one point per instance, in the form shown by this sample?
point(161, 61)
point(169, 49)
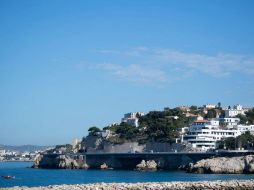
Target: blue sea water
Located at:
point(26, 176)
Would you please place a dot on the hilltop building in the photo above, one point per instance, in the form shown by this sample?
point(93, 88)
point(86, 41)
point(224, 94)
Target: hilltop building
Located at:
point(232, 112)
point(210, 106)
point(132, 118)
point(184, 108)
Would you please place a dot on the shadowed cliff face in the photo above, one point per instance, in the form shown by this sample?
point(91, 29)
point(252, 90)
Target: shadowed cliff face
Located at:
point(129, 161)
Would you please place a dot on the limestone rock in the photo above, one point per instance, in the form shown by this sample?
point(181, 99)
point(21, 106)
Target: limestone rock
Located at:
point(58, 161)
point(234, 165)
point(104, 166)
point(37, 160)
point(147, 165)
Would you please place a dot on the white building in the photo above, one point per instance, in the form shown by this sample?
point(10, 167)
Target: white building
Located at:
point(2, 152)
point(132, 118)
point(210, 106)
point(76, 143)
point(230, 121)
point(245, 128)
point(203, 134)
point(184, 108)
point(232, 112)
point(104, 133)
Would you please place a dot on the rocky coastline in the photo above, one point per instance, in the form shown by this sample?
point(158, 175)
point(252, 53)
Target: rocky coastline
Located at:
point(201, 185)
point(224, 165)
point(217, 165)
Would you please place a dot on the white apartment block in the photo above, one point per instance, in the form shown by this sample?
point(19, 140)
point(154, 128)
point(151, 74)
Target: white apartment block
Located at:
point(245, 128)
point(230, 121)
point(203, 134)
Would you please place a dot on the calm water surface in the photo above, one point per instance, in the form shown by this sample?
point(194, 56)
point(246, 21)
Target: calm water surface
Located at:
point(41, 177)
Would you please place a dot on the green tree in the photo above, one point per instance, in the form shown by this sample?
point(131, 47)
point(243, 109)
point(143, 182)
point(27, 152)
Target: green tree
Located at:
point(222, 124)
point(243, 118)
point(93, 130)
point(127, 132)
point(230, 143)
point(211, 113)
point(220, 144)
point(245, 140)
point(193, 108)
point(250, 116)
point(222, 113)
point(161, 126)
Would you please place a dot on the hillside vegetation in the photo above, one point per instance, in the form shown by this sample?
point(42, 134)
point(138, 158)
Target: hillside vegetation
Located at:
point(158, 126)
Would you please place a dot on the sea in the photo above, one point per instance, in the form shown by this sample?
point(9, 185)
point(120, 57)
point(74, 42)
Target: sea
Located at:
point(27, 176)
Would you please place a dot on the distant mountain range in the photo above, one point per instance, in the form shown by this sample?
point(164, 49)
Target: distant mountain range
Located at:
point(23, 148)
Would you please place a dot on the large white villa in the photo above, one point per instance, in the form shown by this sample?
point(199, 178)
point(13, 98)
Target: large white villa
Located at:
point(232, 112)
point(203, 134)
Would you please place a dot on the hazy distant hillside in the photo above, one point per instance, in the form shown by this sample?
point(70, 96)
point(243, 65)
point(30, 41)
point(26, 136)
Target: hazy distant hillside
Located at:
point(23, 148)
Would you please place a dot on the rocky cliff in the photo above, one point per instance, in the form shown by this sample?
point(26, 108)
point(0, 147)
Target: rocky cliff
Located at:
point(59, 162)
point(224, 165)
point(129, 161)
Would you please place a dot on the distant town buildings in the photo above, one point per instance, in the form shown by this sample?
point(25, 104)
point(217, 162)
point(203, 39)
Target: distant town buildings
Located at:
point(132, 118)
point(8, 155)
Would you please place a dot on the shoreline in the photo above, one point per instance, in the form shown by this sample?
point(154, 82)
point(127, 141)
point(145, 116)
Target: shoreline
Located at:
point(17, 161)
point(198, 185)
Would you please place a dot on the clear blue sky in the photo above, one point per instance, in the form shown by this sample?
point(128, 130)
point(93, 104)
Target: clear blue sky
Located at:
point(69, 65)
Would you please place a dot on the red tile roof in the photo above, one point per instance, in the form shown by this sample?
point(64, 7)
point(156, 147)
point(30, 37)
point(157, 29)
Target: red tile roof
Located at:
point(201, 121)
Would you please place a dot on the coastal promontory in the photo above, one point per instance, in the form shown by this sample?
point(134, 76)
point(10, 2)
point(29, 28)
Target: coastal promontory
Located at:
point(224, 165)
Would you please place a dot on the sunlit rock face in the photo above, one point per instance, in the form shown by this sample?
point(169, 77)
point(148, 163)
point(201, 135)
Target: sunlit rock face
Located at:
point(234, 165)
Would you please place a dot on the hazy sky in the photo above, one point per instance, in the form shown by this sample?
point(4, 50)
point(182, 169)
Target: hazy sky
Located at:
point(69, 65)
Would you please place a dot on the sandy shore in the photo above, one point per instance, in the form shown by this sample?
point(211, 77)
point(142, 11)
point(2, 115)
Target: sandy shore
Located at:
point(202, 185)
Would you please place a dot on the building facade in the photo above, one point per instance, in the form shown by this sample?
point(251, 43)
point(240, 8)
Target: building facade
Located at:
point(203, 134)
point(132, 118)
point(232, 112)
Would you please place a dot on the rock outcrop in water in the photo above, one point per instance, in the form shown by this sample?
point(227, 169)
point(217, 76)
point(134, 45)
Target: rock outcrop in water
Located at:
point(60, 162)
point(224, 165)
point(104, 166)
point(147, 165)
point(201, 185)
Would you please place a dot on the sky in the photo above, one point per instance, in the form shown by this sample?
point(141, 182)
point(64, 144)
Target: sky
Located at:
point(68, 65)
